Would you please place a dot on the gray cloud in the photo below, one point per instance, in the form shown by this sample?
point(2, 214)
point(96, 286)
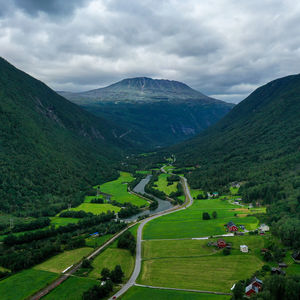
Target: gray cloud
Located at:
point(223, 48)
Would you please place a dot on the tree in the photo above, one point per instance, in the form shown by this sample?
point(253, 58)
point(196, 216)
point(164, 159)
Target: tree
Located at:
point(86, 264)
point(105, 273)
point(205, 216)
point(226, 251)
point(117, 274)
point(239, 290)
point(214, 214)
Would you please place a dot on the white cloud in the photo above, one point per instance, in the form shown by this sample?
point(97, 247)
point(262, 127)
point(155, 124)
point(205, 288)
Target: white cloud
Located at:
point(224, 48)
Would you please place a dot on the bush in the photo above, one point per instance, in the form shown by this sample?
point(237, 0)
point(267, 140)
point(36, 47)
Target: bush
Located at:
point(205, 216)
point(226, 251)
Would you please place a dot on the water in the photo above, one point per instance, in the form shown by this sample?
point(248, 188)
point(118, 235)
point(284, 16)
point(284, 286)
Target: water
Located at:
point(162, 204)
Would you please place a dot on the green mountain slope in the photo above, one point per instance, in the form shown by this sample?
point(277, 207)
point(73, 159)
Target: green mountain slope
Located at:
point(257, 142)
point(161, 112)
point(50, 149)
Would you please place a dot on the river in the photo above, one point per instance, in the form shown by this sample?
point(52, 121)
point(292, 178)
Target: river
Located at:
point(162, 204)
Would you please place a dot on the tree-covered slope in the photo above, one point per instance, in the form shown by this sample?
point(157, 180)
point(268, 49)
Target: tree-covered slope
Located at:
point(50, 149)
point(258, 142)
point(157, 112)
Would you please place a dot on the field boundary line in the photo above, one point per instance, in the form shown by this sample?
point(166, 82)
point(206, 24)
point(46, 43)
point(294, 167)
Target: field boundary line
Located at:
point(184, 290)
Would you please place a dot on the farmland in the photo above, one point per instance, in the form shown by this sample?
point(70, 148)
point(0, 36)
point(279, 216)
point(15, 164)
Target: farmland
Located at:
point(96, 209)
point(137, 293)
point(72, 288)
point(162, 184)
point(188, 223)
point(57, 221)
point(24, 284)
point(118, 190)
point(60, 262)
point(209, 273)
point(111, 257)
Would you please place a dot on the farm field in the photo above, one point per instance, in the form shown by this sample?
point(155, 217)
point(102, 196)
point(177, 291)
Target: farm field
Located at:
point(111, 257)
point(88, 199)
point(97, 241)
point(72, 288)
point(57, 221)
point(209, 273)
point(118, 190)
point(162, 184)
point(188, 223)
point(137, 293)
point(95, 208)
point(24, 284)
point(189, 248)
point(60, 262)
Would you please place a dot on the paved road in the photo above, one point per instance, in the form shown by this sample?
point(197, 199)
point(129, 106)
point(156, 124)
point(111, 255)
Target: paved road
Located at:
point(70, 272)
point(138, 260)
point(186, 290)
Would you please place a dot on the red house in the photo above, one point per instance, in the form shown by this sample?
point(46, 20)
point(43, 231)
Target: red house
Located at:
point(254, 287)
point(231, 226)
point(221, 243)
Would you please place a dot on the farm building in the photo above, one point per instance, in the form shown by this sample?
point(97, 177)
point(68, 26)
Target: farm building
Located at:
point(296, 256)
point(254, 287)
point(244, 248)
point(277, 271)
point(282, 265)
point(231, 226)
point(221, 243)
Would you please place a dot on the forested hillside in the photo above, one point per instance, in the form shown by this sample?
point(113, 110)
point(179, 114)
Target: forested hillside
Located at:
point(50, 149)
point(258, 144)
point(156, 112)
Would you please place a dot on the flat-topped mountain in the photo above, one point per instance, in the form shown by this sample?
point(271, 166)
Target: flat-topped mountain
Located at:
point(140, 89)
point(162, 112)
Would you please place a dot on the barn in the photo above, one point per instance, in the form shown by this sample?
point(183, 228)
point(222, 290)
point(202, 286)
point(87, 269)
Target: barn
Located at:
point(231, 226)
point(221, 243)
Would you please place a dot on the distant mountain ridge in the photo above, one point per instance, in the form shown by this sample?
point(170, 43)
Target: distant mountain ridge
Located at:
point(162, 112)
point(140, 89)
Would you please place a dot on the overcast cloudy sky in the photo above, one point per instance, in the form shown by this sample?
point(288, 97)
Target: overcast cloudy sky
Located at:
point(224, 48)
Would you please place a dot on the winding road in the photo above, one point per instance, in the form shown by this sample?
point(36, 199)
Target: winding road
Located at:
point(138, 259)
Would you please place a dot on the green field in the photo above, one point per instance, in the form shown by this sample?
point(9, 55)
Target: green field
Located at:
point(138, 293)
point(60, 262)
point(162, 184)
point(24, 284)
point(97, 241)
point(188, 223)
point(95, 208)
point(72, 288)
point(118, 190)
point(57, 221)
point(88, 199)
point(111, 257)
point(210, 273)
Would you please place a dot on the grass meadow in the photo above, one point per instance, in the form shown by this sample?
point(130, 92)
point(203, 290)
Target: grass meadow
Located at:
point(23, 284)
point(60, 262)
point(209, 273)
point(95, 208)
point(72, 288)
point(57, 221)
point(188, 223)
point(97, 241)
point(162, 184)
point(138, 293)
point(118, 190)
point(111, 257)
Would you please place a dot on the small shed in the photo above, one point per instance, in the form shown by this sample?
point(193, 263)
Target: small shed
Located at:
point(244, 248)
point(282, 265)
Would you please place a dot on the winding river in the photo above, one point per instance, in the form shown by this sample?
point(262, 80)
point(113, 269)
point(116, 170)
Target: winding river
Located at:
point(162, 204)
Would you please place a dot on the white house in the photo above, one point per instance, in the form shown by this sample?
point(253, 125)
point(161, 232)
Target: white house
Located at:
point(244, 248)
point(264, 227)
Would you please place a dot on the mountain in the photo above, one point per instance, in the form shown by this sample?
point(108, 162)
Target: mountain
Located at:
point(50, 148)
point(257, 143)
point(162, 112)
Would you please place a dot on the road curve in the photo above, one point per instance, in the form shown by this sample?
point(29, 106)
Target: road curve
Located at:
point(138, 259)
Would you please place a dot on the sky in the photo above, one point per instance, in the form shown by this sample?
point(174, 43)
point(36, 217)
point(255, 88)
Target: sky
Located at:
point(223, 48)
